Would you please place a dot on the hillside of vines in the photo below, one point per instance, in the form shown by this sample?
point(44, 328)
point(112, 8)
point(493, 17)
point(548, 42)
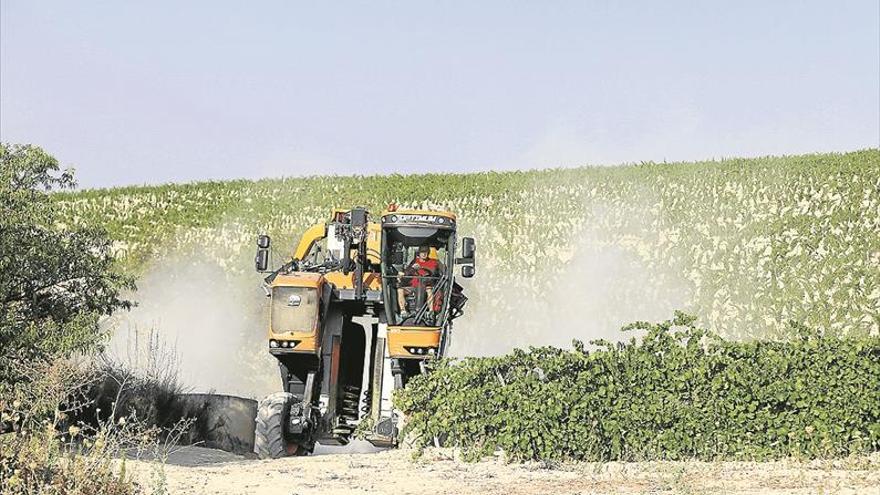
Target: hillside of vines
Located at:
point(747, 244)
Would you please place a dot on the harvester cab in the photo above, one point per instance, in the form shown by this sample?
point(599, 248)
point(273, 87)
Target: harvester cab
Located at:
point(421, 297)
point(357, 310)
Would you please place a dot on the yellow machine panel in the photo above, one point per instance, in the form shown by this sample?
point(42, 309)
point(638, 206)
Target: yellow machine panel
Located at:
point(308, 239)
point(299, 279)
point(304, 342)
point(401, 338)
point(293, 322)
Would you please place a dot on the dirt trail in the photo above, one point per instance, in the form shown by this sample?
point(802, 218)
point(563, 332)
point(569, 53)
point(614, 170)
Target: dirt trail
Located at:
point(203, 471)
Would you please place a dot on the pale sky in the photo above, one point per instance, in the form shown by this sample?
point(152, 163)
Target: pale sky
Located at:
point(160, 91)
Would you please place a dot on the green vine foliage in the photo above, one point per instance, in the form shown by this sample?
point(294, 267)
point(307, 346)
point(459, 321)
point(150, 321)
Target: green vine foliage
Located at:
point(747, 244)
point(677, 392)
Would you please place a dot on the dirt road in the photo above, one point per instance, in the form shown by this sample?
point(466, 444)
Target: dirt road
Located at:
point(194, 470)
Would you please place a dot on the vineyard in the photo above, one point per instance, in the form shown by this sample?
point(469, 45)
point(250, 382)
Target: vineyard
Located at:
point(678, 393)
point(745, 244)
point(779, 257)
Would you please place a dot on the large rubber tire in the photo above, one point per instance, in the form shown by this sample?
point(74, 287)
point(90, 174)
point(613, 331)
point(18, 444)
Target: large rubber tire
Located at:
point(269, 438)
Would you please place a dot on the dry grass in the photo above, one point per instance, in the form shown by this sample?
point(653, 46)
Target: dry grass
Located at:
point(64, 443)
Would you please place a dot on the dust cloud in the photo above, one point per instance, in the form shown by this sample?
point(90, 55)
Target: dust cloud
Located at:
point(214, 321)
point(208, 319)
point(602, 287)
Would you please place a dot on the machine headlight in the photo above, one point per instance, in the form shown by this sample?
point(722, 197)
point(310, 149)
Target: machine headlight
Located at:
point(421, 351)
point(273, 344)
point(393, 218)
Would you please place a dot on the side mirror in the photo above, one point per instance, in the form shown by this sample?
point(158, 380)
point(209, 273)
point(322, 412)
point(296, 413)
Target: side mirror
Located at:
point(263, 241)
point(261, 261)
point(468, 271)
point(468, 247)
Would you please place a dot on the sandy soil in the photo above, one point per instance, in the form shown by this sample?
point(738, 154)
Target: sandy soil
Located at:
point(193, 470)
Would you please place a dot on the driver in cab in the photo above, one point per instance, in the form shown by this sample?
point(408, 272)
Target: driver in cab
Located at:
point(418, 276)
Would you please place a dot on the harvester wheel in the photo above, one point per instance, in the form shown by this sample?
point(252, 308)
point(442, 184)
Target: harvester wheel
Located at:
point(270, 442)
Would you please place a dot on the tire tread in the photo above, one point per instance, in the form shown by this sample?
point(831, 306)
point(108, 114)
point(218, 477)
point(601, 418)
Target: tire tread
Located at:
point(269, 441)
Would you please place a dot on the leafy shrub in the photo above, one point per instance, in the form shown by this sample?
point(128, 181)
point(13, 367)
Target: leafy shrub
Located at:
point(56, 281)
point(679, 392)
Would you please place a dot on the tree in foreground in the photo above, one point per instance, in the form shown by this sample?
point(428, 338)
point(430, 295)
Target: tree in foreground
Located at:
point(56, 283)
point(56, 280)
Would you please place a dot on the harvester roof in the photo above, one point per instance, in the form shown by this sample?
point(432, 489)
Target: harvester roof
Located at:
point(440, 213)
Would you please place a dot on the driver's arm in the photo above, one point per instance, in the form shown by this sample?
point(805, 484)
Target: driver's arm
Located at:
point(408, 272)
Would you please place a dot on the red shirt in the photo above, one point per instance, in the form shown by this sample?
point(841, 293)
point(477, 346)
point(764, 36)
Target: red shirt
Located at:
point(426, 268)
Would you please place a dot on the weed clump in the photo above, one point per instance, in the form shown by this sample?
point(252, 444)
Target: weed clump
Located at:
point(71, 425)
